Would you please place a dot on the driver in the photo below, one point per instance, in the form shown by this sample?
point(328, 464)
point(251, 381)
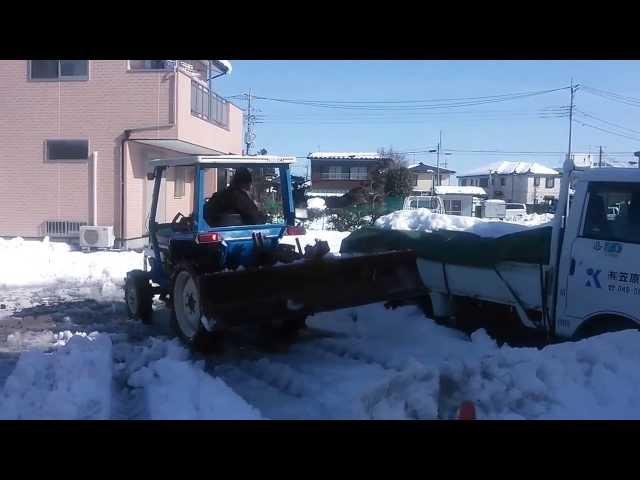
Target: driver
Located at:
point(235, 199)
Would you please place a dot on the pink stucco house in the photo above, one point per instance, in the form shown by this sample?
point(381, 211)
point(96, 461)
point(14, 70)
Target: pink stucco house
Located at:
point(62, 117)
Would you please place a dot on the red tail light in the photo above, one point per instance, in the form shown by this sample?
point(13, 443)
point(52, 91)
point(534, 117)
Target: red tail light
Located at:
point(295, 231)
point(209, 237)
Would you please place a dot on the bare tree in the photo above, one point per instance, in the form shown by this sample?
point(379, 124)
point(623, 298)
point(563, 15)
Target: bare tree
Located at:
point(392, 158)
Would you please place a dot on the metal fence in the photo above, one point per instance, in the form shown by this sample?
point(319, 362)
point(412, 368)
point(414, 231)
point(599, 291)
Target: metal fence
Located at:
point(62, 228)
point(208, 106)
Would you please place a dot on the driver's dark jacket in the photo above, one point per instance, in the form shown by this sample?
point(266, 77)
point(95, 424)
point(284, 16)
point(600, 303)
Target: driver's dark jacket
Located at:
point(233, 200)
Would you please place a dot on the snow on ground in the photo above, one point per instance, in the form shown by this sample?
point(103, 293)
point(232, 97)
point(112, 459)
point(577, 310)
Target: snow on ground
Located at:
point(27, 262)
point(316, 203)
point(334, 238)
point(68, 351)
point(424, 219)
point(73, 383)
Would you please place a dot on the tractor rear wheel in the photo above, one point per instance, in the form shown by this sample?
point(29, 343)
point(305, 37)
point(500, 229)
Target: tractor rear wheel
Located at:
point(138, 296)
point(186, 313)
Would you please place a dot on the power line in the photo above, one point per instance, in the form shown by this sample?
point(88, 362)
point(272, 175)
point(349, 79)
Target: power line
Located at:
point(605, 130)
point(449, 103)
point(632, 101)
point(605, 121)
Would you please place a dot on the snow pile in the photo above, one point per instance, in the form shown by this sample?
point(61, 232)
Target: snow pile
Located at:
point(177, 388)
point(423, 219)
point(73, 382)
point(533, 220)
point(334, 238)
point(596, 378)
point(43, 262)
point(29, 340)
point(316, 203)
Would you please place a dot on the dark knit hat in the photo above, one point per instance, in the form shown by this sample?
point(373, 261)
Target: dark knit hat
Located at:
point(242, 176)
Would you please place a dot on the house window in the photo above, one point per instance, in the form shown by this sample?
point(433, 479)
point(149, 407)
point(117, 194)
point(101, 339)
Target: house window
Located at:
point(150, 65)
point(503, 181)
point(453, 207)
point(58, 69)
point(179, 182)
point(67, 150)
point(415, 180)
point(358, 173)
point(463, 182)
point(536, 181)
point(484, 182)
point(334, 172)
point(549, 182)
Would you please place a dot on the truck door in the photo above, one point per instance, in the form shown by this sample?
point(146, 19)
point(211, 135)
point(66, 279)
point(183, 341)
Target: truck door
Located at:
point(604, 271)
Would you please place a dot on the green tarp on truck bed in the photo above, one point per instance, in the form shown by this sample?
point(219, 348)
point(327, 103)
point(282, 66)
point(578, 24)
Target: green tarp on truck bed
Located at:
point(460, 248)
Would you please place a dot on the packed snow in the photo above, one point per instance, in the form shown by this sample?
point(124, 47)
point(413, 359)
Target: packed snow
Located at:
point(425, 220)
point(67, 351)
point(316, 203)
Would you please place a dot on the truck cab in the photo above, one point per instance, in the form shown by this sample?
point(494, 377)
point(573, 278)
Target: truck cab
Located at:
point(599, 267)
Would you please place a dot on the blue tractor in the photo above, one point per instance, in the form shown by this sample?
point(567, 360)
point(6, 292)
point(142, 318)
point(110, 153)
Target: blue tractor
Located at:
point(220, 276)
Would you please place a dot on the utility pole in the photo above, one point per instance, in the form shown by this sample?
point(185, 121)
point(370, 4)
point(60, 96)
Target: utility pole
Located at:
point(574, 88)
point(600, 158)
point(438, 160)
point(249, 135)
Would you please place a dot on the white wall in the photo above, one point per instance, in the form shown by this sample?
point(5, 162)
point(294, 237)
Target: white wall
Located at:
point(516, 188)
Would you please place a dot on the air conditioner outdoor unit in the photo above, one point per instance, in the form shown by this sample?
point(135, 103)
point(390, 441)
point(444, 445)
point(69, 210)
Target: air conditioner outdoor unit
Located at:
point(96, 237)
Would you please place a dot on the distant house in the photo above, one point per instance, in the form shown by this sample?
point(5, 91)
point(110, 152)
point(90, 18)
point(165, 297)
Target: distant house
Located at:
point(515, 182)
point(424, 175)
point(335, 173)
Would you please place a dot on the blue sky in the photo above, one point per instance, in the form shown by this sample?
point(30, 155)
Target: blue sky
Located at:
point(509, 126)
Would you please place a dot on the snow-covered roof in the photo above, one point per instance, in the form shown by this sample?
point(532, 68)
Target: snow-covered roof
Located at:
point(424, 168)
point(222, 159)
point(325, 192)
point(226, 64)
point(502, 168)
point(459, 190)
point(345, 155)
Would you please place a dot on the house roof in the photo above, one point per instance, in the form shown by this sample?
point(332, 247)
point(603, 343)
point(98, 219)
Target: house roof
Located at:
point(424, 168)
point(459, 190)
point(502, 168)
point(271, 160)
point(344, 155)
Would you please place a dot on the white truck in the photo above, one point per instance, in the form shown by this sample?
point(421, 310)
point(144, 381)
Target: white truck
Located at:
point(431, 202)
point(515, 210)
point(591, 283)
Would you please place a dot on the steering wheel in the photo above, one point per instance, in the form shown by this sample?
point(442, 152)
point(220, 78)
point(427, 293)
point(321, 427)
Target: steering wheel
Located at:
point(181, 221)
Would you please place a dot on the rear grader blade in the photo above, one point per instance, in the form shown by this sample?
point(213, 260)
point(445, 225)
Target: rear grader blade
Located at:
point(311, 286)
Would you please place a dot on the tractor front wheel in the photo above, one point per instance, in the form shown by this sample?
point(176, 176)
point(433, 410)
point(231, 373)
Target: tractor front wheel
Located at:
point(138, 296)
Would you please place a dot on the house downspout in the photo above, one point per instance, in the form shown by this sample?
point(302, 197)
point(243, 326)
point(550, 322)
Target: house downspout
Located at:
point(127, 137)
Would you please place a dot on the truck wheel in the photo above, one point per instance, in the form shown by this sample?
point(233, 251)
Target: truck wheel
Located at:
point(186, 314)
point(604, 324)
point(138, 296)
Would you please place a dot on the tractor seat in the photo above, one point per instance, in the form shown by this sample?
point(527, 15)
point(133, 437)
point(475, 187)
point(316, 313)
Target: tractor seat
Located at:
point(225, 220)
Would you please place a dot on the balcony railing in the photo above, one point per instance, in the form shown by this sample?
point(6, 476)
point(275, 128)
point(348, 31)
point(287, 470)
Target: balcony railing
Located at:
point(343, 176)
point(208, 106)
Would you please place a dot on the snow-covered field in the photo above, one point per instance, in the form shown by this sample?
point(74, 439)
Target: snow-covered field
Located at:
point(67, 351)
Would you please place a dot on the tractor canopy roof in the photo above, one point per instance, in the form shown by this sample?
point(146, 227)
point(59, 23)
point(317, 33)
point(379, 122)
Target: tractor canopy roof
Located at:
point(223, 161)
